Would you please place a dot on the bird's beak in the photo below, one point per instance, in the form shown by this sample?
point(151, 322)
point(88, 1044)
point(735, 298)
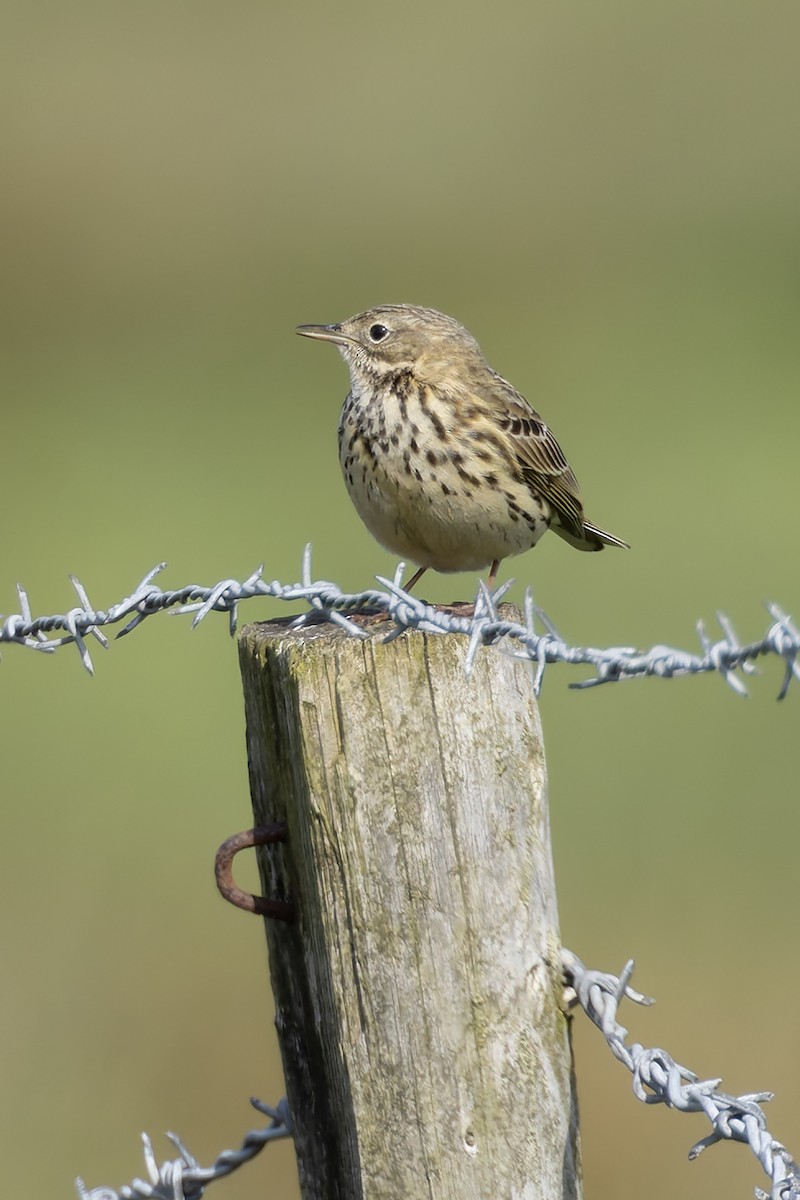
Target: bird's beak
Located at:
point(325, 333)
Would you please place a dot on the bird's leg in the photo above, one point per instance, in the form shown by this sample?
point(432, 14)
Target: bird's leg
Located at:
point(415, 578)
point(461, 608)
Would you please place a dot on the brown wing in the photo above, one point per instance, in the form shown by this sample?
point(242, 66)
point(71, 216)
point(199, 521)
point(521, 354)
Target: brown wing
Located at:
point(542, 463)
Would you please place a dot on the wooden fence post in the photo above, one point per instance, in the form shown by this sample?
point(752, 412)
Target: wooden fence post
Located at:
point(418, 989)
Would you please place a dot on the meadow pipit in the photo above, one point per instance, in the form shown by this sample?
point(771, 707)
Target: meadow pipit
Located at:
point(446, 463)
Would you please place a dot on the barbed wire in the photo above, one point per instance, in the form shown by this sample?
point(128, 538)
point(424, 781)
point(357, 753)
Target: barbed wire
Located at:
point(658, 1079)
point(183, 1178)
point(483, 626)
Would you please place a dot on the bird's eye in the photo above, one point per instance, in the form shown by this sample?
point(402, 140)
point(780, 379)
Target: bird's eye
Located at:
point(378, 332)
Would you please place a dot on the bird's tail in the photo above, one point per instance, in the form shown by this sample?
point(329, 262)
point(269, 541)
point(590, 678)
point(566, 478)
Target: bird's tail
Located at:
point(593, 538)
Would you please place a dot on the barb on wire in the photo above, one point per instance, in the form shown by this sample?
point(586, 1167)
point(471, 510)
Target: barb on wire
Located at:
point(183, 1178)
point(658, 1079)
point(482, 626)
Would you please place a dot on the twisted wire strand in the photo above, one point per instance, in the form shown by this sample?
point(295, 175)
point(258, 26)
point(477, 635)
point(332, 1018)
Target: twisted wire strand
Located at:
point(658, 1079)
point(183, 1178)
point(726, 655)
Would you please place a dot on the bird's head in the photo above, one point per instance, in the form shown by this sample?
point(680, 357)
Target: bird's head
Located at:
point(393, 338)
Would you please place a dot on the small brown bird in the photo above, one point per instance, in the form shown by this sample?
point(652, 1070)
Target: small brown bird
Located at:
point(446, 463)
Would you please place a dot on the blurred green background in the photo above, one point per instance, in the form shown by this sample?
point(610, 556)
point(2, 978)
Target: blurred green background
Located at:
point(607, 195)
